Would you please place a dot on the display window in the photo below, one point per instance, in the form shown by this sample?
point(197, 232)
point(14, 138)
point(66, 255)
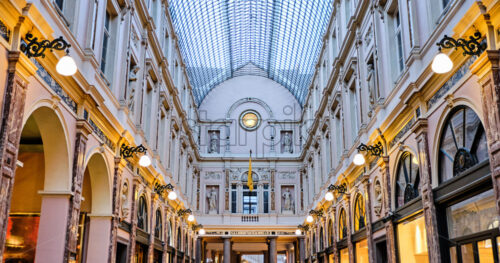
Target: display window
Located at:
point(361, 250)
point(412, 240)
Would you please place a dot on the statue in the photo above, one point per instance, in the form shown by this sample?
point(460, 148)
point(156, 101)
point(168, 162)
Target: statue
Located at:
point(124, 201)
point(371, 87)
point(212, 200)
point(287, 143)
point(377, 207)
point(288, 204)
point(132, 78)
point(214, 143)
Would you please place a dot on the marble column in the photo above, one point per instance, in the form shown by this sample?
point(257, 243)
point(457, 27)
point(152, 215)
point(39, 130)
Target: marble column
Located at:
point(389, 225)
point(368, 218)
point(302, 249)
point(349, 219)
point(133, 216)
point(431, 226)
point(75, 200)
point(273, 253)
point(10, 135)
point(198, 250)
point(227, 249)
point(119, 165)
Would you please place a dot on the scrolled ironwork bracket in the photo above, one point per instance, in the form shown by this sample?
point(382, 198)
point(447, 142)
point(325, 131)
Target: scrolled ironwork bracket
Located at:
point(34, 48)
point(471, 46)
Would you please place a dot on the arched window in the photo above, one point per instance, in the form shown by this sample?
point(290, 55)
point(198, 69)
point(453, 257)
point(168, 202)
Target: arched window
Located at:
point(321, 241)
point(462, 143)
point(314, 243)
point(342, 224)
point(408, 179)
point(142, 214)
point(158, 224)
point(330, 232)
point(359, 213)
point(179, 239)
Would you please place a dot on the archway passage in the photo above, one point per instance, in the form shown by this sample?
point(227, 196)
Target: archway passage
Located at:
point(43, 165)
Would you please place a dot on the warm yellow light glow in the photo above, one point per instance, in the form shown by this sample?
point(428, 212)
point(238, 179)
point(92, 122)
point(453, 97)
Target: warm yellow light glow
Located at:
point(191, 218)
point(359, 159)
point(298, 232)
point(66, 66)
point(441, 64)
point(172, 195)
point(413, 240)
point(202, 232)
point(145, 161)
point(309, 219)
point(328, 196)
point(250, 120)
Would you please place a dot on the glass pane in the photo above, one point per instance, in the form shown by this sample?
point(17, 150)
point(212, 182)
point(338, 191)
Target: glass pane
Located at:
point(467, 253)
point(362, 251)
point(446, 155)
point(22, 234)
point(457, 122)
point(485, 251)
point(498, 246)
point(412, 240)
point(344, 256)
point(453, 255)
point(472, 215)
point(472, 123)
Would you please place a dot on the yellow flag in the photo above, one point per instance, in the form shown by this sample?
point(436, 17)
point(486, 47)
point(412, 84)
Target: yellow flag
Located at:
point(249, 179)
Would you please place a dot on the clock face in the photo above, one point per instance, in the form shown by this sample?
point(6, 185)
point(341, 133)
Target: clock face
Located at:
point(250, 120)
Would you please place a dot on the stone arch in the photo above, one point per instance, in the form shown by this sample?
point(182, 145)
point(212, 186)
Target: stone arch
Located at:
point(249, 100)
point(100, 184)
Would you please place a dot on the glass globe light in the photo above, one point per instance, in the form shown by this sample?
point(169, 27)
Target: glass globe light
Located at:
point(191, 218)
point(441, 64)
point(298, 232)
point(172, 195)
point(145, 161)
point(309, 219)
point(202, 232)
point(66, 66)
point(359, 159)
point(328, 196)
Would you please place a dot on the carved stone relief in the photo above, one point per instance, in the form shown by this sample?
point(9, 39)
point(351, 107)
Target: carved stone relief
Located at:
point(286, 175)
point(213, 175)
point(378, 202)
point(124, 208)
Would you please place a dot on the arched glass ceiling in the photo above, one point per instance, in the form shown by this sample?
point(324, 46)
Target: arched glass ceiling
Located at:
point(278, 39)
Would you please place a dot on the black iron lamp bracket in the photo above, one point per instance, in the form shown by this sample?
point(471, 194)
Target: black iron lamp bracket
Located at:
point(341, 189)
point(197, 227)
point(303, 227)
point(318, 213)
point(35, 48)
point(161, 188)
point(184, 212)
point(128, 151)
point(472, 46)
point(375, 150)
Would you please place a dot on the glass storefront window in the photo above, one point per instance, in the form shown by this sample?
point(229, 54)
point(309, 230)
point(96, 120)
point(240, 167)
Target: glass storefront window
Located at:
point(412, 241)
point(453, 255)
point(485, 251)
point(344, 255)
point(472, 215)
point(331, 258)
point(22, 234)
point(362, 251)
point(467, 253)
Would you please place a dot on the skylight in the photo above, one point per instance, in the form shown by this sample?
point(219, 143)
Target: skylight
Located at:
point(222, 39)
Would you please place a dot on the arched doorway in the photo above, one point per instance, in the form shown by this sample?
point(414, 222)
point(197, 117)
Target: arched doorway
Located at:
point(38, 209)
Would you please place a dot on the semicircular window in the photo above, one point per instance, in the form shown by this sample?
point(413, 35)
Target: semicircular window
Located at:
point(462, 144)
point(408, 179)
point(158, 225)
point(342, 225)
point(142, 214)
point(359, 213)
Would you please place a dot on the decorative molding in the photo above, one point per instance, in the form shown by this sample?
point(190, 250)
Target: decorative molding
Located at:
point(251, 100)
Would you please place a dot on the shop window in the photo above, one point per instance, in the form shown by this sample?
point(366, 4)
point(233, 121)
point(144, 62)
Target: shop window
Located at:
point(462, 143)
point(344, 255)
point(359, 213)
point(142, 214)
point(412, 240)
point(342, 224)
point(362, 251)
point(330, 232)
point(408, 179)
point(158, 224)
point(321, 240)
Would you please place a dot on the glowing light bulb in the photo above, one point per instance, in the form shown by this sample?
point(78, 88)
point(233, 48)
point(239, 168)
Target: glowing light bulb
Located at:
point(66, 66)
point(441, 64)
point(328, 196)
point(309, 219)
point(298, 232)
point(202, 232)
point(172, 195)
point(145, 161)
point(359, 159)
point(191, 218)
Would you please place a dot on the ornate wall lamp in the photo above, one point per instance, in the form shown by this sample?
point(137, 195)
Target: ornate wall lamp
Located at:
point(128, 151)
point(199, 228)
point(188, 212)
point(301, 229)
point(34, 48)
point(375, 150)
point(443, 64)
point(312, 213)
point(162, 188)
point(341, 189)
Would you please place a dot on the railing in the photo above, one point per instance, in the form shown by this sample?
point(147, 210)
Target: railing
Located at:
point(249, 218)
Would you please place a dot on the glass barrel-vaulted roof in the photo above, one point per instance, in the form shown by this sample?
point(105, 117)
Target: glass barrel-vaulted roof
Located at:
point(278, 39)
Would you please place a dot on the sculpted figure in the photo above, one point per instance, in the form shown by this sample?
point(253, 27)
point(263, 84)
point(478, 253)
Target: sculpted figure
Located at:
point(287, 143)
point(214, 143)
point(212, 200)
point(124, 201)
point(288, 200)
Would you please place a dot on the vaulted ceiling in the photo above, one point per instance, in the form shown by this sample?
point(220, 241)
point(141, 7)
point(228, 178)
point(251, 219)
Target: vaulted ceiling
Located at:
point(277, 39)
